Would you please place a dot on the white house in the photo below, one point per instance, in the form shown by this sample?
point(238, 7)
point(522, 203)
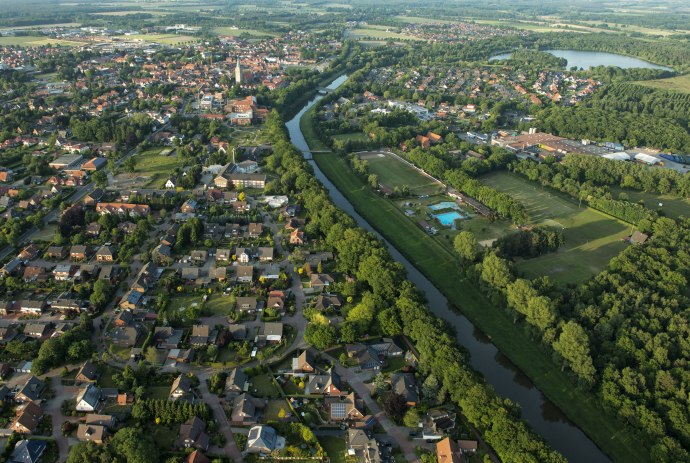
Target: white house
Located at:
point(264, 439)
point(88, 398)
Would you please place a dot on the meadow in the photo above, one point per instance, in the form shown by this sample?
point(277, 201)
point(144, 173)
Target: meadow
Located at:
point(156, 165)
point(676, 84)
point(592, 238)
point(377, 33)
point(669, 205)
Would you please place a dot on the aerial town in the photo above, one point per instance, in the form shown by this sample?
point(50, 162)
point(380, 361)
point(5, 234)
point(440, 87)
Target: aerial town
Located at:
point(333, 233)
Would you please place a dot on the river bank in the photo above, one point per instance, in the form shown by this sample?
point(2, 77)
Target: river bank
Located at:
point(544, 416)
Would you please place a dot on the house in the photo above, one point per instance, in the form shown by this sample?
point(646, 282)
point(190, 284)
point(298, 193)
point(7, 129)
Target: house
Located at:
point(88, 373)
point(29, 306)
point(132, 300)
point(23, 367)
point(243, 255)
point(246, 304)
point(34, 274)
point(367, 358)
point(328, 301)
point(181, 355)
point(276, 301)
point(438, 423)
point(405, 385)
point(218, 273)
point(56, 252)
point(193, 434)
point(201, 335)
point(28, 417)
point(31, 390)
point(297, 237)
point(362, 448)
point(235, 382)
point(223, 255)
point(92, 198)
point(254, 230)
point(189, 207)
point(387, 348)
point(11, 268)
point(246, 167)
point(238, 332)
point(348, 408)
point(36, 330)
point(28, 451)
point(273, 331)
point(109, 421)
point(181, 387)
point(94, 164)
point(265, 254)
point(244, 409)
point(29, 253)
point(166, 337)
point(467, 446)
point(231, 230)
point(326, 384)
point(162, 254)
point(92, 433)
point(125, 318)
point(199, 256)
point(93, 230)
point(638, 237)
point(448, 451)
point(122, 209)
point(264, 440)
point(244, 273)
point(172, 182)
point(62, 272)
point(77, 252)
point(197, 457)
point(271, 272)
point(304, 363)
point(126, 336)
point(105, 254)
point(89, 398)
point(319, 281)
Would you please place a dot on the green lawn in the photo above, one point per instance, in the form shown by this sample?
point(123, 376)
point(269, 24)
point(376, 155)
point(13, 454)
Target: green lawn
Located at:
point(159, 167)
point(307, 127)
point(334, 448)
point(441, 267)
point(392, 172)
point(263, 386)
point(592, 238)
point(219, 305)
point(272, 410)
point(671, 206)
point(158, 392)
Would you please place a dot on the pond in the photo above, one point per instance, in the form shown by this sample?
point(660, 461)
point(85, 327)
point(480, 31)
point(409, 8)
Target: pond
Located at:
point(589, 59)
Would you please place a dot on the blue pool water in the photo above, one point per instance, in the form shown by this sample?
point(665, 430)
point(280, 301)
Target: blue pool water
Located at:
point(444, 205)
point(448, 218)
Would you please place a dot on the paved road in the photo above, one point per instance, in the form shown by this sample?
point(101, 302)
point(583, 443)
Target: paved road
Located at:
point(213, 402)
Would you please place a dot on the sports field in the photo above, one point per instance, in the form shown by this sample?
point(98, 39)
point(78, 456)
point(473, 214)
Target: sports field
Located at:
point(393, 172)
point(670, 206)
point(592, 238)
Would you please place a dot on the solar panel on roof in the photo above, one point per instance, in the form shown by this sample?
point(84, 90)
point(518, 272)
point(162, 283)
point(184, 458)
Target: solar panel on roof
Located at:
point(338, 410)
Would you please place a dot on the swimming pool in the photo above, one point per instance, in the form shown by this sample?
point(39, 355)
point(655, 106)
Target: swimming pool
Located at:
point(444, 205)
point(448, 218)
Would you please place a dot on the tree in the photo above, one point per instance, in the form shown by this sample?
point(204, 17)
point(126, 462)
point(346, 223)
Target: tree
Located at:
point(373, 181)
point(101, 293)
point(348, 332)
point(320, 336)
point(411, 418)
point(134, 445)
point(466, 246)
point(395, 406)
point(573, 346)
point(130, 165)
point(151, 355)
point(100, 178)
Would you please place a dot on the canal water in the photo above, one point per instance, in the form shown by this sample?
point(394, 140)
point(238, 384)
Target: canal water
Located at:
point(539, 412)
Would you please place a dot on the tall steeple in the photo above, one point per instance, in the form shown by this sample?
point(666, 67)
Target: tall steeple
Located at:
point(238, 73)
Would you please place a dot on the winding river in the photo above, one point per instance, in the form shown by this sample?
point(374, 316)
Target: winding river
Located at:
point(537, 410)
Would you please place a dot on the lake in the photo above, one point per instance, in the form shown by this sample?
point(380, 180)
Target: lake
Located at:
point(588, 59)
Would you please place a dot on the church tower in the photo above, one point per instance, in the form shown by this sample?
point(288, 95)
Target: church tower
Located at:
point(238, 73)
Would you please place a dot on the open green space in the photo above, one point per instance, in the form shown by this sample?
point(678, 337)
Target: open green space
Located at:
point(675, 84)
point(334, 448)
point(592, 239)
point(441, 267)
point(273, 408)
point(264, 386)
point(165, 39)
point(156, 165)
point(669, 205)
point(219, 305)
point(356, 136)
point(393, 172)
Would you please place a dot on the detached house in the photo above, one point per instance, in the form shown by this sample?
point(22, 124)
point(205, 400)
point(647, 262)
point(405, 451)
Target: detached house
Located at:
point(105, 254)
point(77, 252)
point(193, 434)
point(181, 387)
point(89, 398)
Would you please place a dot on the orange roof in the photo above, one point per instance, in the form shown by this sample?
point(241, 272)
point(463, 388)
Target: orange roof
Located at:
point(447, 451)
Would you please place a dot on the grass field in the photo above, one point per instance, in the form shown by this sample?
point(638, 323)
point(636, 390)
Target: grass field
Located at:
point(592, 238)
point(441, 267)
point(219, 305)
point(158, 167)
point(36, 41)
point(671, 206)
point(393, 172)
point(234, 31)
point(334, 448)
point(676, 84)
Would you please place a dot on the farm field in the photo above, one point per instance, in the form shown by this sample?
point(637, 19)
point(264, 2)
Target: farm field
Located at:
point(676, 84)
point(158, 167)
point(234, 31)
point(36, 41)
point(165, 39)
point(671, 206)
point(440, 265)
point(372, 32)
point(592, 238)
point(393, 172)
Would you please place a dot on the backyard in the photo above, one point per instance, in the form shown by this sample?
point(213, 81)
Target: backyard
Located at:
point(592, 239)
